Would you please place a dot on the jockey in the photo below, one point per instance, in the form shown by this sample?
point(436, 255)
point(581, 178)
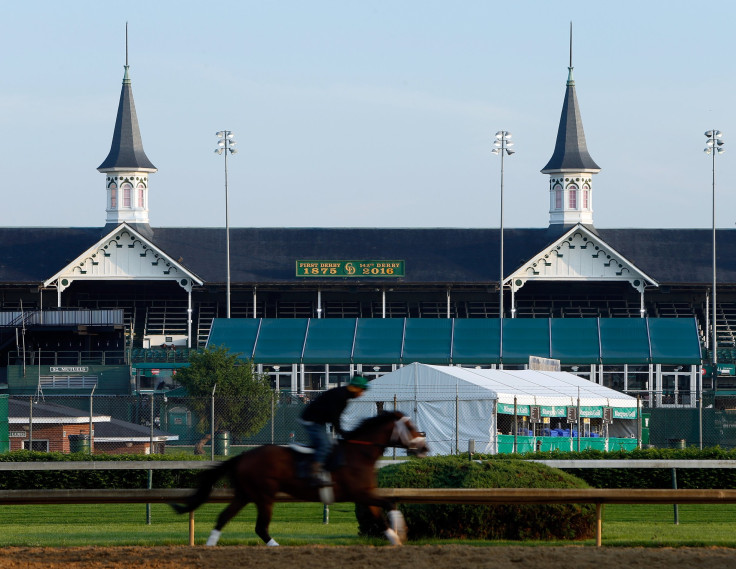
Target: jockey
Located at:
point(327, 408)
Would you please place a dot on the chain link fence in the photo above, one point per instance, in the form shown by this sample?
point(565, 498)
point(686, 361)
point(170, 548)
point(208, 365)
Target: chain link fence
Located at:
point(216, 426)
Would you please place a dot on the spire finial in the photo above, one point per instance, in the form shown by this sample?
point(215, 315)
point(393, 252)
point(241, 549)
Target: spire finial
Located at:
point(570, 42)
point(570, 80)
point(126, 79)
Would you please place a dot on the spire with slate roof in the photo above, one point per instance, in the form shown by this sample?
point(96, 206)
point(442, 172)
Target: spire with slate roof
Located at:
point(127, 166)
point(571, 168)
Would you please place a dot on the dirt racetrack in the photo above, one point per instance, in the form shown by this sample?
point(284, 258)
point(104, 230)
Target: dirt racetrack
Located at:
point(363, 557)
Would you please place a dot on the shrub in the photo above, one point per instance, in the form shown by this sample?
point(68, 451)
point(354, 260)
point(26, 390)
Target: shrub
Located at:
point(98, 479)
point(644, 477)
point(502, 521)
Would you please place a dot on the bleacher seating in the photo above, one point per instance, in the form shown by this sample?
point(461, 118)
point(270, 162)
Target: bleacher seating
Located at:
point(245, 310)
point(436, 310)
point(482, 309)
point(165, 318)
point(393, 310)
point(341, 310)
point(295, 310)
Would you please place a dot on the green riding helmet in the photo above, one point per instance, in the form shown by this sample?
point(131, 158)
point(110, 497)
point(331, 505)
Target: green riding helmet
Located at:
point(359, 381)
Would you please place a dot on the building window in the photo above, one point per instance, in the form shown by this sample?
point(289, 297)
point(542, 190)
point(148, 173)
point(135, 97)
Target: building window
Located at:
point(573, 198)
point(126, 194)
point(141, 197)
point(38, 446)
point(558, 199)
point(586, 194)
point(113, 196)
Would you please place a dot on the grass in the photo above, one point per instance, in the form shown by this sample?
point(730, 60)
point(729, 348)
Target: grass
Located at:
point(301, 524)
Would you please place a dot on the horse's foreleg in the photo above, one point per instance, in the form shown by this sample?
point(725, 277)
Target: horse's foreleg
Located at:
point(225, 516)
point(396, 531)
point(397, 523)
point(265, 511)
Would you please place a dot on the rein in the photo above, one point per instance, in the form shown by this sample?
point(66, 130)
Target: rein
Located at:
point(357, 442)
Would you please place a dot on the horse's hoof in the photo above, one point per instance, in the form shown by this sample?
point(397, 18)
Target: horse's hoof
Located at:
point(393, 537)
point(397, 523)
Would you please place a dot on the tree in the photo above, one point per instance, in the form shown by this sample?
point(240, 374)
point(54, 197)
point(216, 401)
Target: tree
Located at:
point(242, 397)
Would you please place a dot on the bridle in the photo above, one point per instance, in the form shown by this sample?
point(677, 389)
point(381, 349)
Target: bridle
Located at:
point(401, 434)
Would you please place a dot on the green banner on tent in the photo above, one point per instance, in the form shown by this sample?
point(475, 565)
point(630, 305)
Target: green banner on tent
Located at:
point(624, 413)
point(561, 411)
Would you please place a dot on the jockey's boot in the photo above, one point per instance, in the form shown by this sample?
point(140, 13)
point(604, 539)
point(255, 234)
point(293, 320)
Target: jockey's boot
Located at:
point(318, 477)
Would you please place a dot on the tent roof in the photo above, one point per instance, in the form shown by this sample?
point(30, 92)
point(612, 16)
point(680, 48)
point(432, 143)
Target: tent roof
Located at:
point(530, 387)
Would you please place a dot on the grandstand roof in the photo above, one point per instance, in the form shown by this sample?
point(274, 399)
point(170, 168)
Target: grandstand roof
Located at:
point(432, 255)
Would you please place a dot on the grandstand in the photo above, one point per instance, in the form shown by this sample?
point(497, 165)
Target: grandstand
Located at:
point(143, 287)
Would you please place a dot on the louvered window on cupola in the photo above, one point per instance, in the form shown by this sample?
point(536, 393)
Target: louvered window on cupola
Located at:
point(141, 196)
point(572, 201)
point(127, 189)
point(113, 196)
point(586, 197)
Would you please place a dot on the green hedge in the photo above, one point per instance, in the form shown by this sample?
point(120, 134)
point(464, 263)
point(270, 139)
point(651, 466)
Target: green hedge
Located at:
point(98, 479)
point(554, 521)
point(644, 477)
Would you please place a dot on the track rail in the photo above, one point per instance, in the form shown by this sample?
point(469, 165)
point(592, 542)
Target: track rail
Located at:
point(597, 496)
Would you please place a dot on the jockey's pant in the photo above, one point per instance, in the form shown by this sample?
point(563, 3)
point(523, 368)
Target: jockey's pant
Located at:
point(319, 440)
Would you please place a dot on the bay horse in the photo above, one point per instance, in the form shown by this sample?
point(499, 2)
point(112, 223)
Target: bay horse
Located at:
point(259, 474)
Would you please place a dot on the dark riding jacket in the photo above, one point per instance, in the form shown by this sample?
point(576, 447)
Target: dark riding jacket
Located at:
point(328, 407)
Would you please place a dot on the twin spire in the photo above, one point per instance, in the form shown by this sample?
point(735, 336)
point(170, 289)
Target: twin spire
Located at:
point(571, 166)
point(127, 166)
point(126, 151)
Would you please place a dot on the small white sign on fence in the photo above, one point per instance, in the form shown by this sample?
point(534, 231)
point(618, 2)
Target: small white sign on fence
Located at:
point(543, 364)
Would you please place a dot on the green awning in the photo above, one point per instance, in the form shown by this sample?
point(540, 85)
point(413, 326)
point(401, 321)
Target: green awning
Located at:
point(624, 341)
point(378, 341)
point(281, 340)
point(674, 340)
point(427, 340)
point(237, 334)
point(329, 340)
point(469, 341)
point(159, 365)
point(476, 341)
point(524, 337)
point(575, 340)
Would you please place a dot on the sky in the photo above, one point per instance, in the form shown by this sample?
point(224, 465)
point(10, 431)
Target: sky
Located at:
point(366, 113)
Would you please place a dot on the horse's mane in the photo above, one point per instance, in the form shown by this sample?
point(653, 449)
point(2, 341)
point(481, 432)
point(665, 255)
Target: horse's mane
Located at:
point(370, 424)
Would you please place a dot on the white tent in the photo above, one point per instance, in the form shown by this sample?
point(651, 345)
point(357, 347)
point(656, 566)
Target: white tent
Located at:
point(454, 405)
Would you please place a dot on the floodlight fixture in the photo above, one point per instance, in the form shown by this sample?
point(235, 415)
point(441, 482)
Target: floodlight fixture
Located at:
point(713, 146)
point(226, 143)
point(501, 146)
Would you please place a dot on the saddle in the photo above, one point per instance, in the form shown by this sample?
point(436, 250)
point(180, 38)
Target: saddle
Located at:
point(303, 458)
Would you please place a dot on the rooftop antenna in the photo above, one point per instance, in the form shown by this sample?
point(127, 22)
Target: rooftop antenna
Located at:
point(126, 44)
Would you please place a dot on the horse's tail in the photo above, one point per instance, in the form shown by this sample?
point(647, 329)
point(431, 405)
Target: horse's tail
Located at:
point(207, 480)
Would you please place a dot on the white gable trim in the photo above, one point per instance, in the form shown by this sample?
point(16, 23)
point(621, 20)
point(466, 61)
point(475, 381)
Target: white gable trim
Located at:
point(123, 254)
point(579, 255)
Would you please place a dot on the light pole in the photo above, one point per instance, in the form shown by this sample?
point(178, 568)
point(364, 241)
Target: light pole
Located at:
point(501, 145)
point(714, 145)
point(226, 143)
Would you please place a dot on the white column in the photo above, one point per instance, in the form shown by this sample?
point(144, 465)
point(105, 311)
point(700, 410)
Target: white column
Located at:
point(189, 319)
